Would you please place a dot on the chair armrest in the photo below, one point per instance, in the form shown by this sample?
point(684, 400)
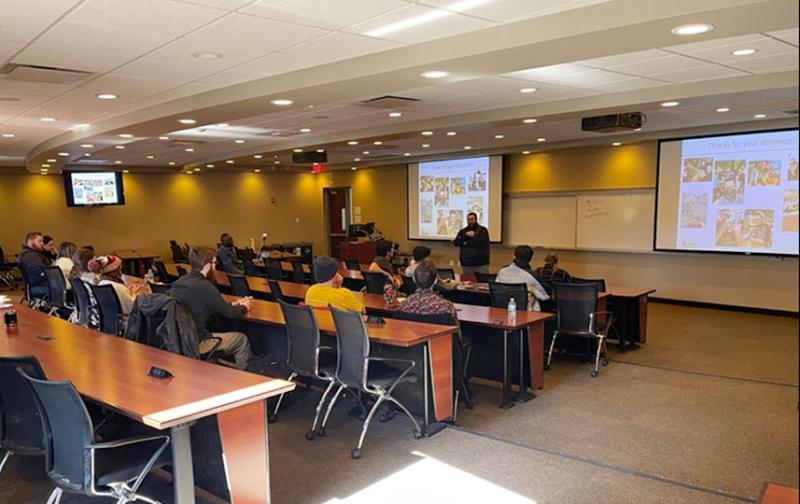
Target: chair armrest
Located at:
point(126, 442)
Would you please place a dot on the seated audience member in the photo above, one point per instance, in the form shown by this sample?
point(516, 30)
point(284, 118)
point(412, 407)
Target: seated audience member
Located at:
point(550, 272)
point(50, 250)
point(425, 301)
point(80, 266)
point(32, 257)
point(328, 288)
point(519, 271)
point(108, 271)
point(384, 251)
point(226, 255)
point(200, 296)
point(65, 252)
point(419, 254)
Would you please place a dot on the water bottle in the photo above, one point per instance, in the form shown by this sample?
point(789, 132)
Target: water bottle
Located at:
point(149, 276)
point(512, 309)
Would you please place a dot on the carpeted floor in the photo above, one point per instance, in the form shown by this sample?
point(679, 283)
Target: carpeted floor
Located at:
point(705, 412)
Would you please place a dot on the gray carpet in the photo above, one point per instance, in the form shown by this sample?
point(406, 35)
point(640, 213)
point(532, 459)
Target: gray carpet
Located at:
point(655, 426)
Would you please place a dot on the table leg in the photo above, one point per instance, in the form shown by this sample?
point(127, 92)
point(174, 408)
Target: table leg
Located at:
point(523, 395)
point(536, 354)
point(506, 402)
point(245, 448)
point(182, 469)
point(441, 369)
point(642, 302)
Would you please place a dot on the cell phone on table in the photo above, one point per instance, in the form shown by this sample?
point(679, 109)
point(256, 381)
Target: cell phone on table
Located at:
point(375, 319)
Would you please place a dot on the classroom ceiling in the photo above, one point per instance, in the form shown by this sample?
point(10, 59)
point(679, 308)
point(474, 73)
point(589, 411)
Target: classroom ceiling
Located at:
point(223, 62)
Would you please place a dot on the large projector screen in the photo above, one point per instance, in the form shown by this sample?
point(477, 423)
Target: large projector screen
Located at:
point(442, 193)
point(733, 193)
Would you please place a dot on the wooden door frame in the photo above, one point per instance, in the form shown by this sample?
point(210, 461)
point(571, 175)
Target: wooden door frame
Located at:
point(348, 198)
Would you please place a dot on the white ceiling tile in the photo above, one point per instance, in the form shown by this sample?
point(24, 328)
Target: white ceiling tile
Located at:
point(21, 28)
point(48, 9)
point(627, 85)
point(724, 53)
point(96, 62)
point(764, 64)
point(181, 50)
point(623, 59)
point(790, 36)
point(511, 10)
point(164, 70)
point(329, 14)
point(706, 72)
point(266, 34)
point(9, 87)
point(550, 73)
point(8, 49)
point(439, 23)
point(326, 49)
point(226, 5)
point(664, 64)
point(127, 89)
point(229, 78)
point(720, 42)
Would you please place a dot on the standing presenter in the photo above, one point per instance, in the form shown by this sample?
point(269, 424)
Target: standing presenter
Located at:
point(473, 242)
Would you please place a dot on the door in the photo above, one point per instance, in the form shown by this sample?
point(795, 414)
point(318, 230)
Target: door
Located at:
point(337, 208)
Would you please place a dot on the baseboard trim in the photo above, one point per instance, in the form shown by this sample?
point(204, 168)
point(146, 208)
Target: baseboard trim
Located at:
point(719, 306)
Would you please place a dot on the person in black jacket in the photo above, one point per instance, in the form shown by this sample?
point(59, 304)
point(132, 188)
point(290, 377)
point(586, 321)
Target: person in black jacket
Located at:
point(474, 243)
point(33, 259)
point(226, 255)
point(197, 293)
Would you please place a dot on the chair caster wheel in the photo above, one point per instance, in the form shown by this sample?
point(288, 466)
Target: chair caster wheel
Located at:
point(417, 434)
point(594, 374)
point(272, 418)
point(321, 432)
point(310, 435)
point(604, 362)
point(355, 454)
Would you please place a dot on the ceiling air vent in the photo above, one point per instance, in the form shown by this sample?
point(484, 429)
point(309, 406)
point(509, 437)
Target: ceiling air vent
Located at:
point(37, 73)
point(389, 102)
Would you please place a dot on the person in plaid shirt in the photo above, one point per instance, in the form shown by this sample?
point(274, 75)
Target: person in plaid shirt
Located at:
point(550, 273)
point(425, 301)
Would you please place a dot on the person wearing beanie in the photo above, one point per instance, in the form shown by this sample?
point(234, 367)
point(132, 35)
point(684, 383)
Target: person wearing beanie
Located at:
point(328, 290)
point(108, 271)
point(519, 271)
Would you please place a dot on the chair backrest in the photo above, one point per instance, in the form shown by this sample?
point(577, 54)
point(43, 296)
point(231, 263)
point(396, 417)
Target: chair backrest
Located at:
point(177, 251)
point(82, 299)
point(25, 279)
point(274, 269)
point(601, 282)
point(446, 273)
point(430, 318)
point(161, 272)
point(501, 293)
point(108, 308)
point(485, 277)
point(67, 431)
point(160, 288)
point(239, 286)
point(275, 289)
point(20, 425)
point(409, 286)
point(352, 345)
point(241, 253)
point(574, 305)
point(352, 265)
point(181, 271)
point(303, 334)
point(56, 286)
point(374, 282)
point(250, 268)
point(298, 275)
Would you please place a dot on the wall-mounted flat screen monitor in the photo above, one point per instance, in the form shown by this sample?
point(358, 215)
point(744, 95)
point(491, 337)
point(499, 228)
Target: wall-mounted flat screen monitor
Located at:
point(93, 188)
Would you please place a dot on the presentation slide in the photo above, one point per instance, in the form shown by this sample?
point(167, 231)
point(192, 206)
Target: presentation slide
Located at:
point(442, 193)
point(98, 188)
point(732, 193)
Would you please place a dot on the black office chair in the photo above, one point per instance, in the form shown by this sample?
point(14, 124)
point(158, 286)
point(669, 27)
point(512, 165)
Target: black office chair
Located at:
point(75, 462)
point(306, 356)
point(376, 376)
point(462, 350)
point(409, 286)
point(109, 312)
point(485, 277)
point(83, 301)
point(276, 291)
point(241, 253)
point(181, 271)
point(239, 286)
point(6, 271)
point(576, 316)
point(161, 272)
point(178, 254)
point(250, 269)
point(57, 294)
point(34, 302)
point(352, 265)
point(374, 282)
point(274, 269)
point(501, 293)
point(601, 282)
point(20, 425)
point(446, 273)
point(298, 275)
point(160, 288)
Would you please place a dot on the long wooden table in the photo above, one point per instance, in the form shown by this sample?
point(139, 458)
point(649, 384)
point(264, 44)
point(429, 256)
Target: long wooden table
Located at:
point(135, 261)
point(113, 372)
point(773, 493)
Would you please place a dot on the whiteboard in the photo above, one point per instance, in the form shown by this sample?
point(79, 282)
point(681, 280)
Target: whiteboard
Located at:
point(618, 221)
point(541, 221)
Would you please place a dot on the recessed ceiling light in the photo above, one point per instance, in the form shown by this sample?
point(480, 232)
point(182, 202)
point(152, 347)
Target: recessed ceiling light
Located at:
point(377, 142)
point(125, 135)
point(45, 165)
point(616, 144)
point(366, 153)
point(150, 156)
point(527, 90)
point(320, 150)
point(467, 147)
point(759, 116)
point(209, 166)
point(668, 104)
point(406, 154)
point(395, 114)
point(435, 74)
point(206, 55)
point(188, 149)
point(257, 156)
point(187, 121)
point(80, 126)
point(118, 162)
point(187, 173)
point(276, 162)
point(171, 163)
point(530, 121)
point(297, 150)
point(352, 142)
point(51, 160)
point(196, 170)
point(47, 119)
point(281, 102)
point(126, 171)
point(87, 154)
point(427, 133)
point(305, 130)
point(223, 125)
point(353, 168)
point(238, 141)
point(357, 159)
point(744, 52)
point(526, 152)
point(63, 154)
point(451, 133)
point(107, 96)
point(638, 129)
point(499, 137)
point(257, 170)
point(425, 146)
point(723, 109)
point(119, 147)
point(692, 29)
point(229, 161)
point(541, 139)
point(87, 146)
point(163, 138)
point(9, 135)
